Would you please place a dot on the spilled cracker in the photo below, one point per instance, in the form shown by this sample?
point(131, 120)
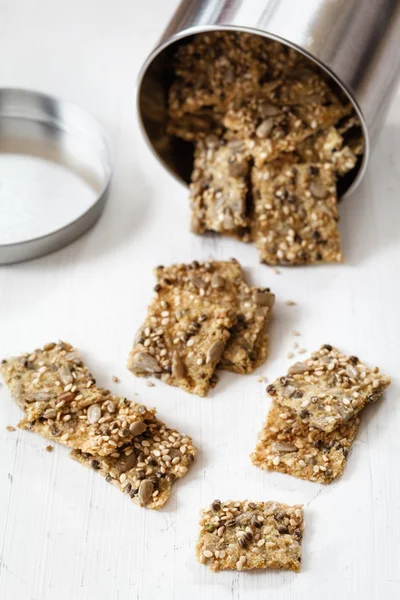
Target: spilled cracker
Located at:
point(61, 402)
point(251, 535)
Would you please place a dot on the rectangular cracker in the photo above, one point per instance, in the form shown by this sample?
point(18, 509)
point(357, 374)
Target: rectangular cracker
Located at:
point(251, 535)
point(61, 402)
point(328, 389)
point(295, 214)
point(147, 467)
point(289, 446)
point(221, 283)
point(219, 189)
point(181, 340)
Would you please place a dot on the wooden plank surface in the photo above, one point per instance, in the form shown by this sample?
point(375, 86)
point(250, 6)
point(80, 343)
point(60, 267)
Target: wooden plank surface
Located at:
point(64, 533)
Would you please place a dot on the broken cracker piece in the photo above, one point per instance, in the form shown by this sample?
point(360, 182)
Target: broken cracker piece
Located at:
point(61, 402)
point(219, 188)
point(289, 446)
point(147, 467)
point(328, 389)
point(295, 214)
point(251, 535)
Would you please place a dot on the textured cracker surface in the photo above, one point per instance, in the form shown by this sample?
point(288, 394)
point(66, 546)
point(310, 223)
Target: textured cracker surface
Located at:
point(251, 535)
point(328, 389)
point(296, 214)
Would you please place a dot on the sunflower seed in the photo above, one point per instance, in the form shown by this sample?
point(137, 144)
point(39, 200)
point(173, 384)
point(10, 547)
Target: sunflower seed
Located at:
point(318, 190)
point(125, 463)
point(65, 375)
point(147, 363)
point(264, 299)
point(178, 368)
point(215, 352)
point(217, 281)
point(265, 128)
point(285, 447)
point(298, 368)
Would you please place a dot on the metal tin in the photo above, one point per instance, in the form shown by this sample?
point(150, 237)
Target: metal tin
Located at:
point(355, 41)
point(55, 166)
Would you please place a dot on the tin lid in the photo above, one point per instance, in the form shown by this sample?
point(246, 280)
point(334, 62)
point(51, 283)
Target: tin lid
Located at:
point(55, 170)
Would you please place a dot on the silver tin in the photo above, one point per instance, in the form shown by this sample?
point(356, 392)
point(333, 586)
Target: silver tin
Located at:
point(355, 41)
point(54, 148)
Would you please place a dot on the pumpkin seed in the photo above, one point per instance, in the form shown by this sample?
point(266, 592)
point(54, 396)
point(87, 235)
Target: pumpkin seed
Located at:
point(93, 413)
point(145, 491)
point(137, 428)
point(125, 463)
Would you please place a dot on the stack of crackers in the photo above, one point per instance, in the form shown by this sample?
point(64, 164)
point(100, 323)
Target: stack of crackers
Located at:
point(271, 137)
point(315, 415)
point(122, 440)
point(204, 317)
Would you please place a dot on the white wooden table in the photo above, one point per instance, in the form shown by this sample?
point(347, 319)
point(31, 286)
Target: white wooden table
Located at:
point(64, 533)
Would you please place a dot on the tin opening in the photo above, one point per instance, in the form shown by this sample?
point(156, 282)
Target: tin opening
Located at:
point(176, 154)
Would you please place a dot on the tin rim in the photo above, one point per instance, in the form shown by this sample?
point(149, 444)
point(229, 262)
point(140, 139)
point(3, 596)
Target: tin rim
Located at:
point(40, 245)
point(203, 29)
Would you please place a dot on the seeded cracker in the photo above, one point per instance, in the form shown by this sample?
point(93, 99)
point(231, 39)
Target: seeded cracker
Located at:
point(287, 445)
point(328, 389)
point(296, 214)
point(221, 283)
point(148, 466)
point(181, 340)
point(61, 402)
point(251, 535)
point(219, 188)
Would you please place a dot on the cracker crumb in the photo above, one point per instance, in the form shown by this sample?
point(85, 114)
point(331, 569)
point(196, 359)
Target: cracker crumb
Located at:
point(290, 354)
point(294, 332)
point(49, 448)
point(302, 351)
point(10, 428)
point(276, 271)
point(261, 379)
point(295, 345)
point(115, 379)
point(150, 384)
point(290, 303)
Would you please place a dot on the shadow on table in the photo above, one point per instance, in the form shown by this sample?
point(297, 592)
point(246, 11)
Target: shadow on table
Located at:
point(370, 216)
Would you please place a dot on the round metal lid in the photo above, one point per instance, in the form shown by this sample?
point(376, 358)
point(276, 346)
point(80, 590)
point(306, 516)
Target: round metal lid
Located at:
point(55, 171)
